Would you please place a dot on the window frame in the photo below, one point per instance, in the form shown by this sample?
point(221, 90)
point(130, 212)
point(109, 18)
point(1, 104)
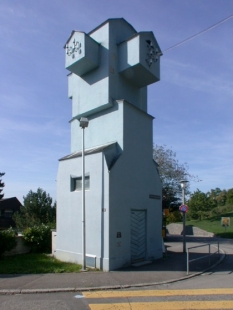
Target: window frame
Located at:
point(73, 183)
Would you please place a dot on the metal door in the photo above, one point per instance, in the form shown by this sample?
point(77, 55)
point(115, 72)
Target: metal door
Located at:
point(138, 235)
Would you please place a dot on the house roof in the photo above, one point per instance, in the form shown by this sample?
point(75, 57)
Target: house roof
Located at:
point(10, 203)
point(89, 151)
point(121, 19)
point(101, 25)
point(112, 152)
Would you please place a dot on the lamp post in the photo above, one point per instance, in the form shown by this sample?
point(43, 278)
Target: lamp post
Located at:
point(183, 184)
point(83, 124)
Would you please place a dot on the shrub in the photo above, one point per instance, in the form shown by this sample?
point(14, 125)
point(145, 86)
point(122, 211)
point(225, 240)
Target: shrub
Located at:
point(215, 212)
point(174, 217)
point(7, 240)
point(38, 238)
point(227, 208)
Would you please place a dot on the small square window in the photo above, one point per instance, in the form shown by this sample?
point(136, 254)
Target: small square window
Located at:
point(76, 183)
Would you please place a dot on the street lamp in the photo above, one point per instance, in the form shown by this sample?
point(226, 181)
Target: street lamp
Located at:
point(83, 123)
point(183, 184)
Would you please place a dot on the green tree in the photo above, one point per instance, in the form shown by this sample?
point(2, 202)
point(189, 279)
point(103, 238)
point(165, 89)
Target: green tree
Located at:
point(222, 198)
point(213, 195)
point(217, 196)
point(174, 217)
point(171, 173)
point(199, 204)
point(37, 209)
point(230, 196)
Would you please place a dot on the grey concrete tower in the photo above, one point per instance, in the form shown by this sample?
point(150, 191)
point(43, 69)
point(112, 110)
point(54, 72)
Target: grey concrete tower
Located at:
point(110, 69)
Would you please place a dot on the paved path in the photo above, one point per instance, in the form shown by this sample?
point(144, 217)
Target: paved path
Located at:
point(168, 269)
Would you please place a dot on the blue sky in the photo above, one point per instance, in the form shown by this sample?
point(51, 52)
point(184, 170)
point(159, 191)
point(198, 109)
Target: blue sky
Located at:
point(192, 104)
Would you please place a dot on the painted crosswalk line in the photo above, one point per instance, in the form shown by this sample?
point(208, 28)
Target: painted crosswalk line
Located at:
point(160, 293)
point(176, 305)
point(102, 300)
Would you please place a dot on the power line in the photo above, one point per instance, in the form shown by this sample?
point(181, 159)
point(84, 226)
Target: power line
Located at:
point(199, 33)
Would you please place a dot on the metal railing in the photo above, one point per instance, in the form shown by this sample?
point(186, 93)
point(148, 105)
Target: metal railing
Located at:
point(208, 255)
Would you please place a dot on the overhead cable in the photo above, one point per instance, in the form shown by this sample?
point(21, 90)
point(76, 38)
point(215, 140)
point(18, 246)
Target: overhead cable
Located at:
point(199, 33)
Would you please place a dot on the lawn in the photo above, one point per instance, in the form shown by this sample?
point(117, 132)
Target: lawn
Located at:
point(213, 225)
point(35, 263)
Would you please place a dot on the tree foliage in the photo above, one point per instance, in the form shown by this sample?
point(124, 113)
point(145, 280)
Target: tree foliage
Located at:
point(7, 240)
point(38, 238)
point(213, 203)
point(173, 217)
point(37, 210)
point(171, 173)
point(199, 203)
point(218, 196)
point(229, 198)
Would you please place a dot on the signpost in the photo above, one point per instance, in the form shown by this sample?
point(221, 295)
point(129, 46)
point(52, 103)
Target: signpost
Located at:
point(184, 208)
point(225, 222)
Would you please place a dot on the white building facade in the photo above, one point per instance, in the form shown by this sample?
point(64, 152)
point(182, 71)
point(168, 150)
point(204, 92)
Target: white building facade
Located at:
point(110, 70)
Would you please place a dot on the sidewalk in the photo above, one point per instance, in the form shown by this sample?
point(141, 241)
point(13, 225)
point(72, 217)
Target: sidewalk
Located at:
point(171, 268)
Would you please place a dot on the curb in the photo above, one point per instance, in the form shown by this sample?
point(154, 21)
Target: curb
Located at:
point(113, 287)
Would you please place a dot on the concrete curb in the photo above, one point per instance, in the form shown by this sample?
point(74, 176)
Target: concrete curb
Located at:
point(110, 287)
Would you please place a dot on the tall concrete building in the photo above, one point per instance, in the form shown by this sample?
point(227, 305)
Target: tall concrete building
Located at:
point(110, 68)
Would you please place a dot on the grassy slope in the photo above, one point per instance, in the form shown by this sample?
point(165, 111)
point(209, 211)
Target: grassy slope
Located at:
point(34, 263)
point(213, 224)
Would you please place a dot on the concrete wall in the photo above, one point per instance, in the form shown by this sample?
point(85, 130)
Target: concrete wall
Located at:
point(69, 216)
point(20, 248)
point(97, 90)
point(132, 179)
point(104, 127)
point(54, 242)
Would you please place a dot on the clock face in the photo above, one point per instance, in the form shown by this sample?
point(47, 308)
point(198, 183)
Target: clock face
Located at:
point(75, 48)
point(71, 50)
point(139, 59)
point(82, 53)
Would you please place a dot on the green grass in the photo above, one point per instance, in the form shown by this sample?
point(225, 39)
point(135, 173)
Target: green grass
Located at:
point(213, 225)
point(35, 263)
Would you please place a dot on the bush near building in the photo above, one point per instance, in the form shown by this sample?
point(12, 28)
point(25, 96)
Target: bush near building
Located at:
point(37, 209)
point(38, 238)
point(7, 240)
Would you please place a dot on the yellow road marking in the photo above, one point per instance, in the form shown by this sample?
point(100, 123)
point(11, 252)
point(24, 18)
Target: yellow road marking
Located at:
point(177, 305)
point(149, 293)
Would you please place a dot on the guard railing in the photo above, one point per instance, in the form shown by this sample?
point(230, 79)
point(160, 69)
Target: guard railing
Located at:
point(208, 255)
